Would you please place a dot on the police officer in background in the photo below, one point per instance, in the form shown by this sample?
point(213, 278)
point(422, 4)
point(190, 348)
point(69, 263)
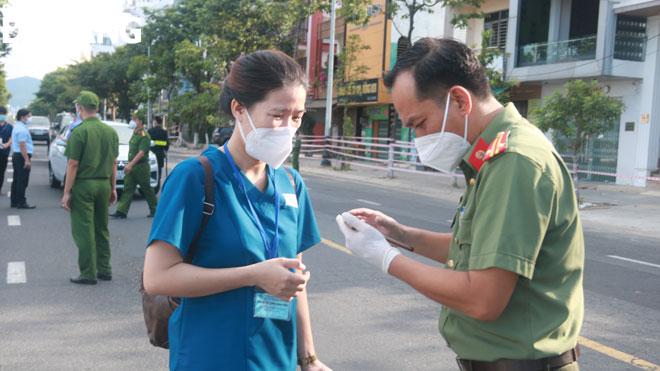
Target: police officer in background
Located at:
point(160, 143)
point(137, 171)
point(89, 188)
point(5, 145)
point(511, 287)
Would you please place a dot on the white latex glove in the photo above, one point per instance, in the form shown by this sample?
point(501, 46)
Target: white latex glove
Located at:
point(366, 241)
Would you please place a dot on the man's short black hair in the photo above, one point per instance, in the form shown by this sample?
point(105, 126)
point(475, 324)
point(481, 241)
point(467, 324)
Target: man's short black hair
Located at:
point(3, 110)
point(158, 119)
point(22, 113)
point(437, 64)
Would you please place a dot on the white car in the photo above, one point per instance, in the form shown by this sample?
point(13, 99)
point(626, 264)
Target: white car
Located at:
point(57, 161)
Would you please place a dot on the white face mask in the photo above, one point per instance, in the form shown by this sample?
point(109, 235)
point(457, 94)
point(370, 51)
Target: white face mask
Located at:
point(270, 145)
point(132, 124)
point(443, 151)
point(29, 120)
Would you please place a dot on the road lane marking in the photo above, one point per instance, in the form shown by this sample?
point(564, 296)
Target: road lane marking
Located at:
point(369, 202)
point(13, 220)
point(16, 272)
point(634, 261)
point(617, 354)
point(9, 180)
point(336, 246)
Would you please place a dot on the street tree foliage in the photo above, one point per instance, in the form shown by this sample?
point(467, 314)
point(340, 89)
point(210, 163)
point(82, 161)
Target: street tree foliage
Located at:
point(408, 9)
point(186, 52)
point(579, 113)
point(499, 85)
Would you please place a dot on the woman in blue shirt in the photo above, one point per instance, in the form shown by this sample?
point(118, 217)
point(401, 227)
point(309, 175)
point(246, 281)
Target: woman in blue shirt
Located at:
point(244, 303)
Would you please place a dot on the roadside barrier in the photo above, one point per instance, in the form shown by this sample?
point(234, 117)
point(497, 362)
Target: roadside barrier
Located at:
point(393, 155)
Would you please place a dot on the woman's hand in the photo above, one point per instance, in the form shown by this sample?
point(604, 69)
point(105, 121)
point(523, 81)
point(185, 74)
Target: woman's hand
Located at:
point(316, 366)
point(275, 278)
point(383, 223)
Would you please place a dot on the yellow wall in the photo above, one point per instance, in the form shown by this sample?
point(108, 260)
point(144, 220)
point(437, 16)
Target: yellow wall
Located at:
point(373, 34)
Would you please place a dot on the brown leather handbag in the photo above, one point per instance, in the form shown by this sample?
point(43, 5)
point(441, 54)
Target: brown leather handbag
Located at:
point(158, 309)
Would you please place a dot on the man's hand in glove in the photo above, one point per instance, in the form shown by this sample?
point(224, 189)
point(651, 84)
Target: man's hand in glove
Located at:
point(366, 242)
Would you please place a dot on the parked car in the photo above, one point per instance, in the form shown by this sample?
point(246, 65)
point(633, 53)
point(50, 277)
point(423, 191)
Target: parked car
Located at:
point(57, 161)
point(39, 128)
point(61, 119)
point(221, 134)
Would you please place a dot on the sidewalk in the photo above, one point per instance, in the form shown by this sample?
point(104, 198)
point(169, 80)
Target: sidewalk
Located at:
point(617, 208)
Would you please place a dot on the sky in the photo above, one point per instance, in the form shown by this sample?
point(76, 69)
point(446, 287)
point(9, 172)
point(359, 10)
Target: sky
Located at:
point(56, 33)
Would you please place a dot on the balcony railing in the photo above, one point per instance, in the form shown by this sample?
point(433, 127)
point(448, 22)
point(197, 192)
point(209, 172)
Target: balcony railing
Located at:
point(557, 52)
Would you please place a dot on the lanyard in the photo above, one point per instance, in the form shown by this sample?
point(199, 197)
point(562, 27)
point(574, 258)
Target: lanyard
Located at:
point(271, 250)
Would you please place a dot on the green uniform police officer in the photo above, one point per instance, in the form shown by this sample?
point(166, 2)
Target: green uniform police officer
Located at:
point(511, 287)
point(137, 171)
point(89, 189)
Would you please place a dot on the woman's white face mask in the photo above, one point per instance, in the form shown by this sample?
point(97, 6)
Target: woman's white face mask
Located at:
point(270, 145)
point(443, 151)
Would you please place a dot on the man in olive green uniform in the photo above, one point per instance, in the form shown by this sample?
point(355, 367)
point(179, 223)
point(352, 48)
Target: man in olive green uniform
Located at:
point(137, 171)
point(89, 189)
point(511, 287)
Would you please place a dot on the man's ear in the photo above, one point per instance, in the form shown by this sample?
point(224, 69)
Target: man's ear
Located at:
point(463, 98)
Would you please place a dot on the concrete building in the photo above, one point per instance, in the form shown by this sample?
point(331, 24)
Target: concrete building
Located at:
point(549, 42)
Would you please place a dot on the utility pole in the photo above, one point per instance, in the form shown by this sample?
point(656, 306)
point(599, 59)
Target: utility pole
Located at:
point(148, 90)
point(328, 99)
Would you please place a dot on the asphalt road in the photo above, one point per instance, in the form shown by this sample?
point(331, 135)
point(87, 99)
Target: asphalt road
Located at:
point(362, 318)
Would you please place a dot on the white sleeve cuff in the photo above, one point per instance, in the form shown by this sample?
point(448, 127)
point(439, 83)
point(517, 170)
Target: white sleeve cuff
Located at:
point(388, 257)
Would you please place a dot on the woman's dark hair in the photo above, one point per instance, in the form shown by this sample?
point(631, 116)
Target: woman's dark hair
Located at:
point(22, 113)
point(3, 110)
point(439, 64)
point(254, 75)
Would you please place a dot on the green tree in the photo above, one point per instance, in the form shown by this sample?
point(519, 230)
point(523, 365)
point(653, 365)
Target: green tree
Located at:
point(4, 93)
point(349, 72)
point(56, 93)
point(499, 85)
point(579, 113)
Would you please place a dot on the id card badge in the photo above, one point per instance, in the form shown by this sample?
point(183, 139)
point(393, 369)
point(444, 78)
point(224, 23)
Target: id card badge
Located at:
point(269, 306)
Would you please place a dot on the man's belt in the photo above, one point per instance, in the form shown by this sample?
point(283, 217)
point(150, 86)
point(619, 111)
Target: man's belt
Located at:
point(565, 358)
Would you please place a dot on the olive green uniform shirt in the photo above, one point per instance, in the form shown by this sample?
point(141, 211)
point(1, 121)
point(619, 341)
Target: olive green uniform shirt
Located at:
point(140, 141)
point(518, 213)
point(95, 146)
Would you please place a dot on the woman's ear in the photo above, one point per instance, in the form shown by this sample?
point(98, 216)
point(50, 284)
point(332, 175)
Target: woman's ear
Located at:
point(236, 109)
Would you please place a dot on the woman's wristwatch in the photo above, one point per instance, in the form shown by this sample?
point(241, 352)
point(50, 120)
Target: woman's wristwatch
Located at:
point(307, 360)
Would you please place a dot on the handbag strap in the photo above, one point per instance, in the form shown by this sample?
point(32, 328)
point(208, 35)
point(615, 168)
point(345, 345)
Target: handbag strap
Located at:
point(209, 204)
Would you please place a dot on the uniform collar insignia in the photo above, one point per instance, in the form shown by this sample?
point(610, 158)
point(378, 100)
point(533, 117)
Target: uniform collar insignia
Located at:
point(476, 159)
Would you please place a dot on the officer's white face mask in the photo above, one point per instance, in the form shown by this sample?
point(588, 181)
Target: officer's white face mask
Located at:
point(270, 145)
point(132, 124)
point(443, 151)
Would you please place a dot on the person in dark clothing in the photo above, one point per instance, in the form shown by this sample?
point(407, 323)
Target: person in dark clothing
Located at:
point(5, 145)
point(160, 144)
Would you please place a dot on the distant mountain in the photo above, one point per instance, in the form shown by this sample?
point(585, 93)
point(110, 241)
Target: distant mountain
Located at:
point(22, 90)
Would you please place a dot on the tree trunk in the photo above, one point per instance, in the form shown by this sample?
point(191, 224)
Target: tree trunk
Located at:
point(195, 139)
point(411, 18)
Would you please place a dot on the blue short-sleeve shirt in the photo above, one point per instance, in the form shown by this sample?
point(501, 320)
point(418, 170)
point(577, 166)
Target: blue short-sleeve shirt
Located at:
point(21, 134)
point(219, 331)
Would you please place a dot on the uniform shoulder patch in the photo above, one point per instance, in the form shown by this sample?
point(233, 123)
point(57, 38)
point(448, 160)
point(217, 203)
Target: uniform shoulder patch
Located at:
point(497, 146)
